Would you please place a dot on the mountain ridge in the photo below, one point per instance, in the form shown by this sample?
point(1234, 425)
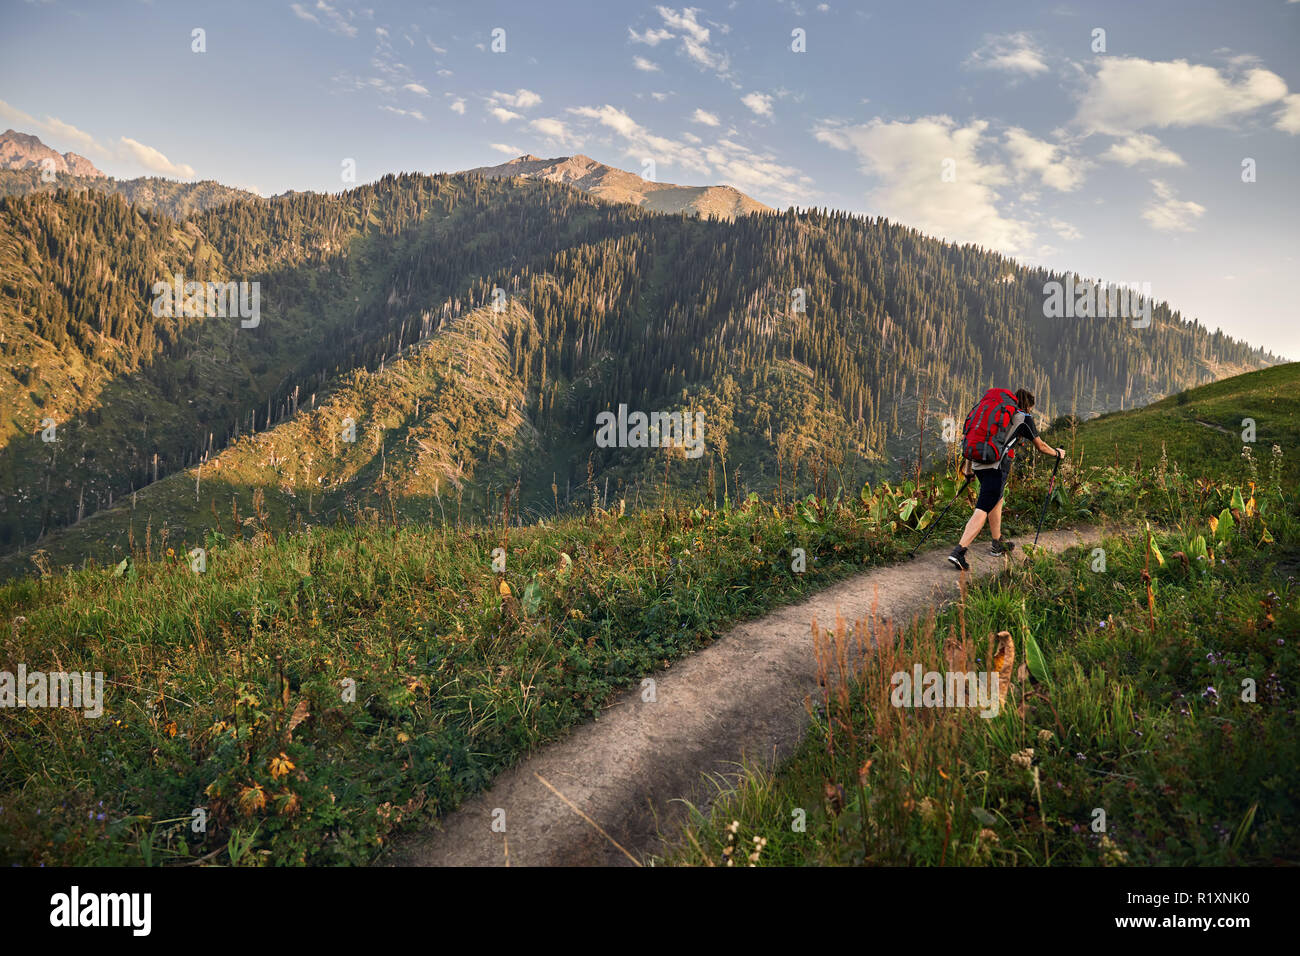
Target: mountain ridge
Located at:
point(26, 151)
point(618, 185)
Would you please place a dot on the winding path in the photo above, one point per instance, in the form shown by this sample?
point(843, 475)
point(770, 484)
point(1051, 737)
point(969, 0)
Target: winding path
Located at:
point(602, 795)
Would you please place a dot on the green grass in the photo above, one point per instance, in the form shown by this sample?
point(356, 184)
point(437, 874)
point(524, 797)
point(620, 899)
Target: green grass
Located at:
point(1136, 707)
point(228, 690)
point(459, 670)
point(1201, 429)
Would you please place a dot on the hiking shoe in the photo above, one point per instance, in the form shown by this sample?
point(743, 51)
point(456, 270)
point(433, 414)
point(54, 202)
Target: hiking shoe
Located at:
point(1002, 546)
point(958, 559)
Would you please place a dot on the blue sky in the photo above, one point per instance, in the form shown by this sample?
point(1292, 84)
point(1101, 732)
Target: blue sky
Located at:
point(1124, 164)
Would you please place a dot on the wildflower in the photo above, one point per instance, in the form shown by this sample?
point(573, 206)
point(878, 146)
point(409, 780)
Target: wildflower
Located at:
point(1024, 758)
point(927, 808)
point(988, 836)
point(1045, 736)
point(1112, 855)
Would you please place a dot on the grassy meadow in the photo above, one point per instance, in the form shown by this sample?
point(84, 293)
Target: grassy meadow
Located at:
point(312, 692)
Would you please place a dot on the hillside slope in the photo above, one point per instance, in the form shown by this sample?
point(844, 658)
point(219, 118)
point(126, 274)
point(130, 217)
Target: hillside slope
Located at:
point(1204, 429)
point(815, 344)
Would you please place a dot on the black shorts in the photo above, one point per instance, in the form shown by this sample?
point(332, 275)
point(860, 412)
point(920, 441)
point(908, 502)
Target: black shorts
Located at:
point(992, 482)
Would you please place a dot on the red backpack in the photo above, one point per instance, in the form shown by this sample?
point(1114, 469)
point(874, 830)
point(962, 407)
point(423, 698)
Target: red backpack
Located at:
point(988, 427)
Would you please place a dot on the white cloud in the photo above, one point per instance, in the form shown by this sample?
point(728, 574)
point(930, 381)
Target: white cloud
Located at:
point(414, 114)
point(417, 89)
point(650, 37)
point(519, 99)
point(1046, 160)
point(1012, 53)
point(705, 117)
point(759, 103)
point(1167, 213)
point(553, 129)
point(326, 16)
point(908, 160)
point(1141, 148)
point(458, 105)
point(641, 63)
point(504, 115)
point(1288, 121)
point(640, 143)
point(694, 37)
point(1066, 230)
point(507, 149)
point(154, 161)
point(752, 172)
point(67, 133)
point(1129, 94)
point(659, 97)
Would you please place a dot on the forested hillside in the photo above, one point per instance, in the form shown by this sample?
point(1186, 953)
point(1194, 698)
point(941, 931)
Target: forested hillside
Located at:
point(167, 196)
point(658, 312)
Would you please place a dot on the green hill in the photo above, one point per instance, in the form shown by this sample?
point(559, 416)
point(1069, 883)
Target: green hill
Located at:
point(1203, 429)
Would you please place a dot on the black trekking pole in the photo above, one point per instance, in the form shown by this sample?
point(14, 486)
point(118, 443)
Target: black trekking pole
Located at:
point(936, 521)
point(1050, 485)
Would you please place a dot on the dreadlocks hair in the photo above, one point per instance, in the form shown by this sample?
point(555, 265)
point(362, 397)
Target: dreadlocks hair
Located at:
point(1025, 399)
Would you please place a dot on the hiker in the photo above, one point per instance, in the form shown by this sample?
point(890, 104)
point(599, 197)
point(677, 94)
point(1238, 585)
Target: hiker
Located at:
point(992, 428)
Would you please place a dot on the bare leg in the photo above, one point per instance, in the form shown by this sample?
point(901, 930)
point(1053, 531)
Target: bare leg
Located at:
point(995, 520)
point(973, 527)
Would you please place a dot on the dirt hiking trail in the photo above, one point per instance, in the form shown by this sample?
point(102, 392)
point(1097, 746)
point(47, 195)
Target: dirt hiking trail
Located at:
point(602, 795)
